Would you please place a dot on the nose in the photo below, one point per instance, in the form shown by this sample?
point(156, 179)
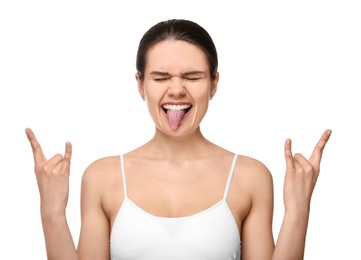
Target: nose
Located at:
point(176, 87)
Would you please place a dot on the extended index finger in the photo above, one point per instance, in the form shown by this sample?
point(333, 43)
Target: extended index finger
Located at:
point(288, 155)
point(35, 146)
point(316, 155)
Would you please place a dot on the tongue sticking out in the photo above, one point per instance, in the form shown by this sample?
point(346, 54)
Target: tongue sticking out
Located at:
point(174, 117)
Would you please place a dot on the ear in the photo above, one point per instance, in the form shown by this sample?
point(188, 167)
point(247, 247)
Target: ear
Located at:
point(214, 86)
point(140, 85)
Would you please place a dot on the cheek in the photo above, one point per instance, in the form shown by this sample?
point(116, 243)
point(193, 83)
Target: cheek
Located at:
point(153, 96)
point(152, 91)
point(201, 92)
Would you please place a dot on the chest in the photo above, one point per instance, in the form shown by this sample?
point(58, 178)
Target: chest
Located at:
point(209, 234)
point(174, 192)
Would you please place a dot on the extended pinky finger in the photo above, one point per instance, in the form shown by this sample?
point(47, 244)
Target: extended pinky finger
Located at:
point(68, 153)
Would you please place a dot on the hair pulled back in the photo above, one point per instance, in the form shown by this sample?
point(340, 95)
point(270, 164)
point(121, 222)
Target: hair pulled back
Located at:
point(177, 29)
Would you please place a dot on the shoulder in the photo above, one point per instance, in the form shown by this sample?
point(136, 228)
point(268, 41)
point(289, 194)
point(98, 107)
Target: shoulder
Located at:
point(251, 189)
point(252, 166)
point(252, 174)
point(101, 171)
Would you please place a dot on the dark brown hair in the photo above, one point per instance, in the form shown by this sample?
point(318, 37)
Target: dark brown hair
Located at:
point(177, 29)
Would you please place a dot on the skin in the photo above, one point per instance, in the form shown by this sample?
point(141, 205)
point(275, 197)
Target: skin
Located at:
point(174, 167)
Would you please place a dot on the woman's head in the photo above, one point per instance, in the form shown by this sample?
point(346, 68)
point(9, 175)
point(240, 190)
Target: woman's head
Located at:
point(176, 29)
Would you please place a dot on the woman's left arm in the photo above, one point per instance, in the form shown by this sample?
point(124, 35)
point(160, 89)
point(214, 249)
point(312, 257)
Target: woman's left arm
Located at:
point(300, 180)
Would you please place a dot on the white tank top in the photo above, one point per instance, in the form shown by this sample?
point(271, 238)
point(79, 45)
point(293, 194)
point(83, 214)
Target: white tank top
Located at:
point(211, 234)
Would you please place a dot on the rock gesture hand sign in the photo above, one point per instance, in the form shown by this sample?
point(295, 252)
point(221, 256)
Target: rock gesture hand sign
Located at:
point(301, 175)
point(52, 176)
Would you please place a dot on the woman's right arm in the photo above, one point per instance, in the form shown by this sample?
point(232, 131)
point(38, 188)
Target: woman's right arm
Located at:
point(53, 183)
point(95, 229)
point(52, 176)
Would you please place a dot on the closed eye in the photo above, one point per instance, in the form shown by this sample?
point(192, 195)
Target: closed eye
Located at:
point(160, 79)
point(192, 78)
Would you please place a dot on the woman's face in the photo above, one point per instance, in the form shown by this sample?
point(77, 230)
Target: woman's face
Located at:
point(177, 86)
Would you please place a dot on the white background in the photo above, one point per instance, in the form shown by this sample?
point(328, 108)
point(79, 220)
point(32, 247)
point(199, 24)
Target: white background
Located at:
point(288, 69)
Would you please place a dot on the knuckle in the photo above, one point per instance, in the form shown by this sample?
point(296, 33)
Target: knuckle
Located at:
point(58, 156)
point(45, 168)
point(309, 169)
point(300, 171)
point(298, 155)
point(35, 147)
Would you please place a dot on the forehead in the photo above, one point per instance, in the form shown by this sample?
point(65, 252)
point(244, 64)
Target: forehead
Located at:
point(176, 56)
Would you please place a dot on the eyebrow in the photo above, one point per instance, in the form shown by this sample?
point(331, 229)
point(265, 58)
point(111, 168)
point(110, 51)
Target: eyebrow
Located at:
point(162, 73)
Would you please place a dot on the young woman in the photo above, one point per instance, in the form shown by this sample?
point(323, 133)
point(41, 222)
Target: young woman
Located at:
point(178, 196)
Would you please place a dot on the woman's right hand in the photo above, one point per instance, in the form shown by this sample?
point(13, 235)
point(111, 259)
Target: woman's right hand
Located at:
point(52, 176)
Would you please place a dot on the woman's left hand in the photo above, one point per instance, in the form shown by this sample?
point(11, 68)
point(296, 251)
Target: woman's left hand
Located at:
point(301, 176)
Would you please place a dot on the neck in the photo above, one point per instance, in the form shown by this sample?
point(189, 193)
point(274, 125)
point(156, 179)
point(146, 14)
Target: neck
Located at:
point(178, 148)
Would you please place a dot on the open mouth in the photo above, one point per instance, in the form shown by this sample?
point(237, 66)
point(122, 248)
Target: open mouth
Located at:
point(167, 107)
point(175, 114)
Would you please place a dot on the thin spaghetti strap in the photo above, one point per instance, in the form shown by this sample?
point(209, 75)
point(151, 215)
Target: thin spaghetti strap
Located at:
point(230, 176)
point(123, 176)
